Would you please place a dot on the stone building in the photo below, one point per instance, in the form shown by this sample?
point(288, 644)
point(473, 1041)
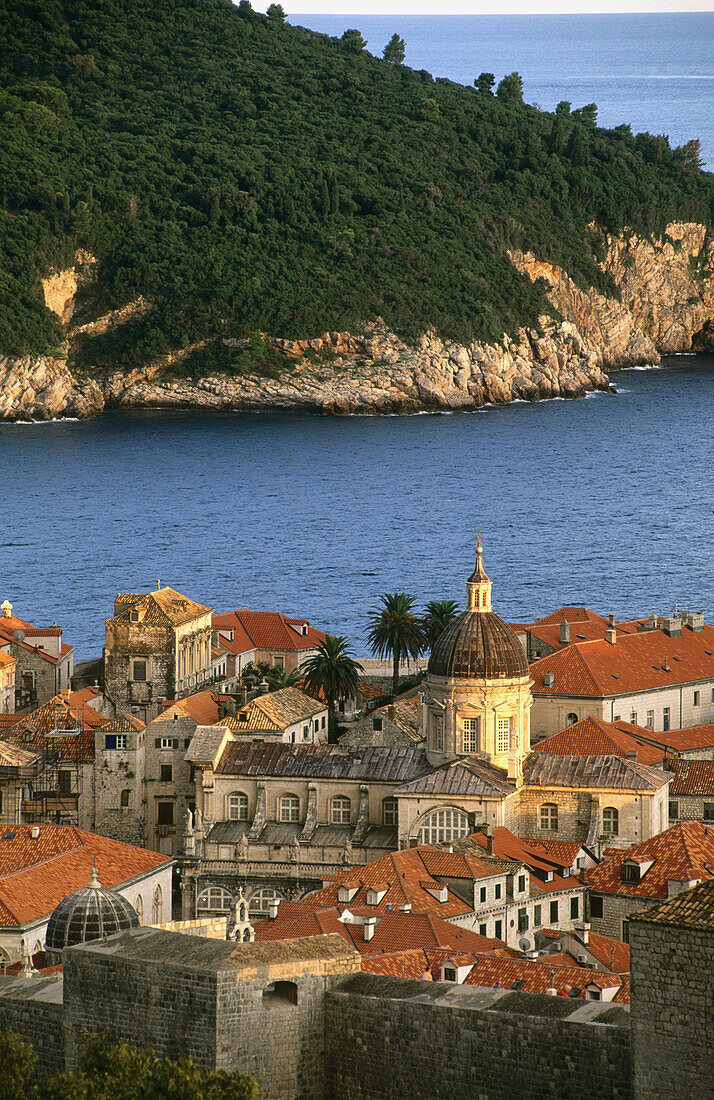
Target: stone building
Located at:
point(18, 769)
point(158, 647)
point(41, 864)
point(288, 715)
point(397, 723)
point(43, 662)
point(661, 677)
point(119, 781)
point(643, 875)
point(251, 637)
point(7, 683)
point(691, 793)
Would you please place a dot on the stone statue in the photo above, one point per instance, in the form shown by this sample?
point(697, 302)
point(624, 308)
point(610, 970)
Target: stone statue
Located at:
point(243, 847)
point(199, 819)
point(295, 849)
point(347, 856)
point(189, 821)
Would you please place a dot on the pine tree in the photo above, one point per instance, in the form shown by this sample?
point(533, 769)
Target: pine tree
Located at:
point(395, 50)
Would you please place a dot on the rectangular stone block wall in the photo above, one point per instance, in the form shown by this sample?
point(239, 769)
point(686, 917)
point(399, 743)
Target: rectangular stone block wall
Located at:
point(573, 814)
point(419, 1041)
point(163, 1006)
point(40, 1024)
point(615, 910)
point(672, 1011)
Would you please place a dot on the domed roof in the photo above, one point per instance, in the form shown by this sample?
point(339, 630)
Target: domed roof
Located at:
point(89, 914)
point(478, 645)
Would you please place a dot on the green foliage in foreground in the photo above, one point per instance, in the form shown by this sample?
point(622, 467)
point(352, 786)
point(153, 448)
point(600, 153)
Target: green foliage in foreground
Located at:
point(116, 1071)
point(249, 176)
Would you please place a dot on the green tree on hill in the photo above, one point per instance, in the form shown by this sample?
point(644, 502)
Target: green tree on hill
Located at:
point(276, 13)
point(484, 83)
point(395, 50)
point(510, 89)
point(353, 41)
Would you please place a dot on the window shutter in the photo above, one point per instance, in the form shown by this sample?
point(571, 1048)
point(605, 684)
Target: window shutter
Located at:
point(157, 743)
point(187, 742)
point(110, 741)
point(175, 742)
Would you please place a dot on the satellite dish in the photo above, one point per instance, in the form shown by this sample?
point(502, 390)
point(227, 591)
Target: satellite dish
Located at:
point(19, 635)
point(524, 943)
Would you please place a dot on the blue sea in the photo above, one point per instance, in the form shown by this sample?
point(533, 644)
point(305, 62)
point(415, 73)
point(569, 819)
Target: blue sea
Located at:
point(605, 501)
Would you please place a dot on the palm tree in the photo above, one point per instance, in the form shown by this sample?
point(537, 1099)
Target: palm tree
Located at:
point(437, 616)
point(278, 678)
point(395, 631)
point(333, 673)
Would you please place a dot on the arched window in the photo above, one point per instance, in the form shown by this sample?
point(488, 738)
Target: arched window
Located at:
point(259, 901)
point(549, 816)
point(571, 718)
point(157, 908)
point(214, 899)
point(443, 825)
point(341, 810)
point(124, 799)
point(289, 807)
point(37, 948)
point(390, 811)
point(139, 906)
point(610, 821)
point(238, 806)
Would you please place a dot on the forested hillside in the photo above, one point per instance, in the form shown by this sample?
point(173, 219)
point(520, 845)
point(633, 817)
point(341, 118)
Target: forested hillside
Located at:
point(245, 175)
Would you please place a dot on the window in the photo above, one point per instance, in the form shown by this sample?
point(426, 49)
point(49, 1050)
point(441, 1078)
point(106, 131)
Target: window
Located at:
point(157, 906)
point(377, 725)
point(64, 780)
point(139, 671)
point(124, 798)
point(164, 813)
point(470, 735)
point(503, 735)
point(708, 811)
point(483, 929)
point(322, 724)
point(498, 930)
point(521, 883)
point(139, 907)
point(633, 718)
point(280, 993)
point(554, 912)
point(482, 895)
point(450, 973)
point(497, 891)
point(237, 806)
point(596, 907)
point(549, 816)
point(167, 773)
point(289, 807)
point(305, 732)
point(215, 898)
point(631, 872)
point(673, 811)
point(278, 661)
point(259, 901)
point(536, 916)
point(443, 825)
point(610, 821)
point(695, 699)
point(341, 810)
point(571, 719)
point(439, 733)
point(616, 718)
point(134, 616)
point(574, 908)
point(650, 720)
point(167, 743)
point(115, 741)
point(665, 718)
point(522, 920)
point(390, 811)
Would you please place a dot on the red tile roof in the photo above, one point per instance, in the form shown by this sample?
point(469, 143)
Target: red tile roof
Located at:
point(609, 952)
point(6, 659)
point(268, 630)
point(35, 730)
point(493, 970)
point(693, 777)
point(637, 662)
point(693, 737)
point(36, 874)
point(402, 964)
point(585, 626)
point(540, 856)
point(202, 707)
point(593, 737)
point(684, 852)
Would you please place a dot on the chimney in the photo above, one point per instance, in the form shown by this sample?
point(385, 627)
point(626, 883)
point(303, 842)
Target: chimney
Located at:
point(390, 713)
point(369, 926)
point(273, 906)
point(35, 832)
point(405, 907)
point(6, 609)
point(488, 833)
point(583, 931)
point(564, 635)
point(611, 633)
point(263, 687)
point(631, 754)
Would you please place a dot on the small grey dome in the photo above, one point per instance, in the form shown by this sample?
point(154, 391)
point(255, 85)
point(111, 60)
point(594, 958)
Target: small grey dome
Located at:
point(478, 646)
point(88, 914)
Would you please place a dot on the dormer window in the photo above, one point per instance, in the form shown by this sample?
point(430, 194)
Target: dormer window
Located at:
point(346, 893)
point(633, 870)
point(449, 974)
point(375, 894)
point(134, 616)
point(303, 629)
point(437, 890)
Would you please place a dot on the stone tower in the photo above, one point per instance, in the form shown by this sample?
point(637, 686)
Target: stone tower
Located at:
point(478, 687)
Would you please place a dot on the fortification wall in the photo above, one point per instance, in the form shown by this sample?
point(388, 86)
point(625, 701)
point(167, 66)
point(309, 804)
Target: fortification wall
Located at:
point(33, 1008)
point(388, 1037)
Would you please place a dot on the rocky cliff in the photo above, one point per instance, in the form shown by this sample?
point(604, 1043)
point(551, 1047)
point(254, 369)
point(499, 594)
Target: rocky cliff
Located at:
point(666, 305)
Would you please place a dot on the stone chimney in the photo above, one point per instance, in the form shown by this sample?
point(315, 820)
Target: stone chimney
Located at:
point(273, 907)
point(390, 712)
point(263, 687)
point(488, 834)
point(583, 931)
point(564, 635)
point(369, 926)
point(611, 633)
point(6, 609)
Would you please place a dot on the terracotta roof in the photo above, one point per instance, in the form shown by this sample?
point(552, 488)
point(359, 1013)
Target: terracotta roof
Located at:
point(402, 964)
point(693, 777)
point(540, 856)
point(12, 756)
point(593, 737)
point(571, 615)
point(622, 997)
point(542, 769)
point(7, 631)
point(277, 710)
point(637, 662)
point(693, 737)
point(10, 719)
point(268, 630)
point(582, 629)
point(368, 691)
point(683, 852)
point(609, 952)
point(34, 731)
point(495, 970)
point(404, 716)
point(691, 909)
point(201, 706)
point(321, 761)
point(65, 855)
point(165, 605)
point(461, 777)
point(6, 659)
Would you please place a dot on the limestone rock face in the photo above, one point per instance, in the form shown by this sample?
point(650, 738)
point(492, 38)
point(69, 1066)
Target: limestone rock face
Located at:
point(666, 305)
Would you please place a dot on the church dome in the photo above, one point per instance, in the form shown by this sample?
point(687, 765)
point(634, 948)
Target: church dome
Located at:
point(478, 645)
point(88, 914)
